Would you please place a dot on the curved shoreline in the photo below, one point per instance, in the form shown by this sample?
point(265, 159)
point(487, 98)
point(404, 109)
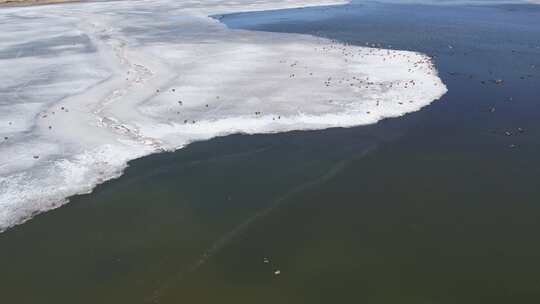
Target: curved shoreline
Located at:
point(135, 112)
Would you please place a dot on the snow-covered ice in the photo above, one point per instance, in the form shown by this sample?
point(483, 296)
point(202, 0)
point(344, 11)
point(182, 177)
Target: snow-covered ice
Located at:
point(87, 87)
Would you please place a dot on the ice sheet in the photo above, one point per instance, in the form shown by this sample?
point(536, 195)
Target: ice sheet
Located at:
point(88, 87)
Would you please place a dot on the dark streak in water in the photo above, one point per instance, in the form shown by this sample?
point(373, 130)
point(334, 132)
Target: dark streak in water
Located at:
point(241, 228)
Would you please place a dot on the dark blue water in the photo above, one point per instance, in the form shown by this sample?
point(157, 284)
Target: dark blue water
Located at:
point(439, 206)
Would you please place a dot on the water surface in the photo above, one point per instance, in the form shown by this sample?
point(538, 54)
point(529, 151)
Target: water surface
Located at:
point(439, 206)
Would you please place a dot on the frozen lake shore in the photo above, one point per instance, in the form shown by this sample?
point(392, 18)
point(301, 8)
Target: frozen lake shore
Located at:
point(89, 87)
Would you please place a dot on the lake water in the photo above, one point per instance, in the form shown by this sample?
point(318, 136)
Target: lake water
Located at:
point(439, 206)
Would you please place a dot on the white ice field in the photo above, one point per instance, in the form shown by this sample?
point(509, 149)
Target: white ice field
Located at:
point(87, 87)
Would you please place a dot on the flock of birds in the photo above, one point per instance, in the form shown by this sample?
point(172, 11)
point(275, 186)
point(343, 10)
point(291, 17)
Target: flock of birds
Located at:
point(349, 54)
point(296, 70)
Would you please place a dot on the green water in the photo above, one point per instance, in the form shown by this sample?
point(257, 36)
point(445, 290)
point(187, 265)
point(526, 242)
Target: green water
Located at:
point(433, 207)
